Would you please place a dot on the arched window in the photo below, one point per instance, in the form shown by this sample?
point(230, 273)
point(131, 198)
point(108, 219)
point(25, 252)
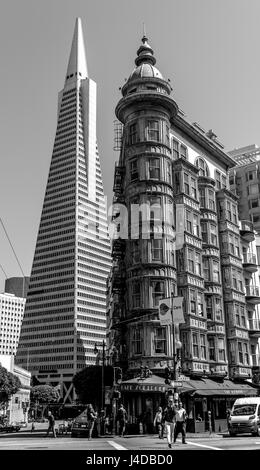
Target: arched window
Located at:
point(203, 167)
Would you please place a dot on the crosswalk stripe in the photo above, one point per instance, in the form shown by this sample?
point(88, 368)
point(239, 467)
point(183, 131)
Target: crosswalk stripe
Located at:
point(116, 445)
point(203, 445)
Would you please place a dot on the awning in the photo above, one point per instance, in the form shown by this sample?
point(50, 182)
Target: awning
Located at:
point(154, 384)
point(207, 387)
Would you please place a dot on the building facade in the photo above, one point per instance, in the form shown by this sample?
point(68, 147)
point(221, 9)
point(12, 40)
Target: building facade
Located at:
point(17, 286)
point(65, 314)
point(177, 233)
point(244, 180)
point(18, 405)
point(11, 317)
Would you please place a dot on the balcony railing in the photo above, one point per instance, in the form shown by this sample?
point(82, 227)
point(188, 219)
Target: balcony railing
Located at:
point(252, 291)
point(249, 258)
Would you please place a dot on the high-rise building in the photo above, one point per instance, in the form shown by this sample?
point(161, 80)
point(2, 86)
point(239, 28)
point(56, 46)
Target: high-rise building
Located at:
point(178, 235)
point(65, 314)
point(11, 316)
point(17, 286)
point(244, 180)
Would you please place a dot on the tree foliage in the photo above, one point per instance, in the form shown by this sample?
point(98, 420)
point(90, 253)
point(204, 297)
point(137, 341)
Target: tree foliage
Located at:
point(44, 394)
point(9, 385)
point(88, 383)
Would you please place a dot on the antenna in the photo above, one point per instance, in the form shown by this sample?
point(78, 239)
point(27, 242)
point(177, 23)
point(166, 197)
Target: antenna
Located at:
point(144, 32)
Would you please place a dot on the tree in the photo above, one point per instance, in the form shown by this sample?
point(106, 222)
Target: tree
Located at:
point(43, 395)
point(88, 383)
point(9, 385)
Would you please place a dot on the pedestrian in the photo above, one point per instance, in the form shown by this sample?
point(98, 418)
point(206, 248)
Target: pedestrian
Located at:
point(51, 424)
point(169, 418)
point(33, 426)
point(158, 422)
point(228, 414)
point(107, 424)
point(122, 419)
point(65, 426)
point(181, 418)
point(92, 416)
point(102, 422)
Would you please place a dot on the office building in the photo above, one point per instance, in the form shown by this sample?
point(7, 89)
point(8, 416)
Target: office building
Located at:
point(244, 180)
point(11, 316)
point(65, 314)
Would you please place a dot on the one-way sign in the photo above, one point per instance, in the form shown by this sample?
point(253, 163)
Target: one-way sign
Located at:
point(176, 383)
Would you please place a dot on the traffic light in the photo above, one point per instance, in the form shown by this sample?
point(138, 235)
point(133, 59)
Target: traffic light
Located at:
point(167, 375)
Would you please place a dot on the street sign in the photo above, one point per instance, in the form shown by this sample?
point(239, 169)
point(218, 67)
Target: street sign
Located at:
point(183, 378)
point(176, 383)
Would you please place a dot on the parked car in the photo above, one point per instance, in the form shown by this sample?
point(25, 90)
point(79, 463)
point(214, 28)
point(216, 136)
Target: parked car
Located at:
point(80, 426)
point(22, 424)
point(10, 427)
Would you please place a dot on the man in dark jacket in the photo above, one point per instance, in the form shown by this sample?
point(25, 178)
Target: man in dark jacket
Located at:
point(169, 419)
point(51, 424)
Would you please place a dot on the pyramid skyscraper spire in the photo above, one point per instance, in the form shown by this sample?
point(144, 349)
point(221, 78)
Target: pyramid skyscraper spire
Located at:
point(77, 60)
point(65, 313)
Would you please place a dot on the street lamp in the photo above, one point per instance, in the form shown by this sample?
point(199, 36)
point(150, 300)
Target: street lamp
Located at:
point(103, 365)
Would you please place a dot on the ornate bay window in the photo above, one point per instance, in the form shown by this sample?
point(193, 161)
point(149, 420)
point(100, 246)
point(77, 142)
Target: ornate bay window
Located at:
point(157, 249)
point(137, 340)
point(203, 167)
point(154, 168)
point(136, 294)
point(160, 340)
point(152, 130)
point(134, 173)
point(158, 292)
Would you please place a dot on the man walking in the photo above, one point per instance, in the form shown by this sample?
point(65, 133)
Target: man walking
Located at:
point(122, 419)
point(181, 417)
point(51, 424)
point(169, 418)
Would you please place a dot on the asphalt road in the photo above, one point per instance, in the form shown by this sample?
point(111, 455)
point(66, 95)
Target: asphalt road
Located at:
point(38, 441)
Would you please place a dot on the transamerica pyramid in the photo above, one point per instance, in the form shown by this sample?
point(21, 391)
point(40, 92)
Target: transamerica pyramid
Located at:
point(65, 313)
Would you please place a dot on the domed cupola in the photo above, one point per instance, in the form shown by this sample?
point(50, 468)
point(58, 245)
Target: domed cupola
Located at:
point(145, 84)
point(145, 69)
point(145, 53)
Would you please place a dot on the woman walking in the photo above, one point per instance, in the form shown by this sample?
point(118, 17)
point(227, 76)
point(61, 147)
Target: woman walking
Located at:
point(92, 416)
point(158, 422)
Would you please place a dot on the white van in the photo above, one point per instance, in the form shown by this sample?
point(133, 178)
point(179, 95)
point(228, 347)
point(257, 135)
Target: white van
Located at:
point(245, 416)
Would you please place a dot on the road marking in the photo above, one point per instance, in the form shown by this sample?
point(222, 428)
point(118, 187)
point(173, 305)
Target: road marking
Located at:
point(116, 445)
point(201, 445)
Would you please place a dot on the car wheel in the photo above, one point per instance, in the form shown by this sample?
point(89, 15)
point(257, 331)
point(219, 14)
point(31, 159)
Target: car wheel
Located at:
point(232, 434)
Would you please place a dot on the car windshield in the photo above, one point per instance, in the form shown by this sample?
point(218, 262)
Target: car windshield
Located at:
point(244, 409)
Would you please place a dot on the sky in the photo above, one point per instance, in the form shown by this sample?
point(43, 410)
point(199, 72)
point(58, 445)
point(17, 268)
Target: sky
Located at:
point(209, 49)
